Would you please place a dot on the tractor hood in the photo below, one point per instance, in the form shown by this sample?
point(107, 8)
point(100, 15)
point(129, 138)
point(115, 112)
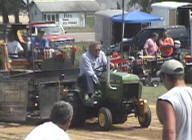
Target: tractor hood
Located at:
point(62, 38)
point(124, 77)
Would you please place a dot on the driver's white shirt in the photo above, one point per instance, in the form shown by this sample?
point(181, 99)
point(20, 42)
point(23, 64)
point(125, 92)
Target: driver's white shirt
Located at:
point(89, 63)
point(47, 131)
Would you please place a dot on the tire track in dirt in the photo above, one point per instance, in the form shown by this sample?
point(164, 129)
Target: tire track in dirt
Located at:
point(130, 130)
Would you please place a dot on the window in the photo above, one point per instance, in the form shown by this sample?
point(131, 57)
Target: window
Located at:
point(57, 17)
point(53, 17)
point(48, 17)
point(44, 17)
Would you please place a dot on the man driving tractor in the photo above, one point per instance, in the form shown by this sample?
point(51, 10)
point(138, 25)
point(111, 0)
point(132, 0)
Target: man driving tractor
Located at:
point(91, 66)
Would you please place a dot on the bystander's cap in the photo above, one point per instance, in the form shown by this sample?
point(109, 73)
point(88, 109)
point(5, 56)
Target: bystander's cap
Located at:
point(171, 67)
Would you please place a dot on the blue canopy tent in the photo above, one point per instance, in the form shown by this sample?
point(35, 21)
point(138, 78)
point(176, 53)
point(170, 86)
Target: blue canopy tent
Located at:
point(136, 17)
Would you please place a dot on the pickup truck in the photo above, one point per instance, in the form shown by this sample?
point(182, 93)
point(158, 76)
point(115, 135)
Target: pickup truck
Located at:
point(54, 32)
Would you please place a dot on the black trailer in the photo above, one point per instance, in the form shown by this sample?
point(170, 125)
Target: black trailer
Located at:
point(27, 95)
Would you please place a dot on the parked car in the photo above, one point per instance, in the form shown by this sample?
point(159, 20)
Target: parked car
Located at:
point(178, 32)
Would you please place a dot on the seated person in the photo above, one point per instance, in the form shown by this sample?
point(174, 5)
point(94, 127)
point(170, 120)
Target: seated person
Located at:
point(14, 47)
point(91, 60)
point(166, 45)
point(39, 43)
point(150, 47)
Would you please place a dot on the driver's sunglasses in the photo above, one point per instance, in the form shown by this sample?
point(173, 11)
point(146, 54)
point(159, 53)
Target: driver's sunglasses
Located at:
point(97, 50)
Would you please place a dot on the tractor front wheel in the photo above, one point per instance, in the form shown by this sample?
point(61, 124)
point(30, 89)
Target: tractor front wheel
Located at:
point(105, 118)
point(144, 116)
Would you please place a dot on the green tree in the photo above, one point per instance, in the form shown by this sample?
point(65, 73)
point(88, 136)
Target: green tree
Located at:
point(10, 7)
point(4, 11)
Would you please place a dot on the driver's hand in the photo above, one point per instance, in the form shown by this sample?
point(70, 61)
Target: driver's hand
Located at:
point(112, 65)
point(98, 85)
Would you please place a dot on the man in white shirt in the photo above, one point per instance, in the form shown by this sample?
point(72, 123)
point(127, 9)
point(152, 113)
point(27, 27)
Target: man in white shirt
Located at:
point(91, 65)
point(61, 116)
point(174, 108)
point(14, 47)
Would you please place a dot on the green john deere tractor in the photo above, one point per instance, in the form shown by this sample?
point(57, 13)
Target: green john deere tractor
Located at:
point(118, 96)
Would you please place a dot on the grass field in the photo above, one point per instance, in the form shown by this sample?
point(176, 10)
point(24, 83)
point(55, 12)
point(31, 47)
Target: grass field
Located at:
point(151, 94)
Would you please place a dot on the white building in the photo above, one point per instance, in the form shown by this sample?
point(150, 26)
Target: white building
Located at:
point(169, 11)
point(70, 13)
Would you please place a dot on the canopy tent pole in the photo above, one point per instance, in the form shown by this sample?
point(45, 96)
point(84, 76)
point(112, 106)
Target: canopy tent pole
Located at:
point(29, 34)
point(123, 27)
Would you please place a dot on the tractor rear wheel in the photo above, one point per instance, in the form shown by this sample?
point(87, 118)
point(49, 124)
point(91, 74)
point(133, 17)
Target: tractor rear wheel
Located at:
point(144, 118)
point(78, 109)
point(105, 118)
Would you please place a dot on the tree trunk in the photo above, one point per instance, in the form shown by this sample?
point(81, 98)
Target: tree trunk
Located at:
point(4, 12)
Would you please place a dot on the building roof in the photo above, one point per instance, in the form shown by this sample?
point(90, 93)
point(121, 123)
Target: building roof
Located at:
point(68, 6)
point(169, 4)
point(109, 12)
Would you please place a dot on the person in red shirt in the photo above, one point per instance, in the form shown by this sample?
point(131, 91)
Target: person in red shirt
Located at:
point(166, 45)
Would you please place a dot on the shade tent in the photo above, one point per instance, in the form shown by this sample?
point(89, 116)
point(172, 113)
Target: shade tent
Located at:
point(136, 17)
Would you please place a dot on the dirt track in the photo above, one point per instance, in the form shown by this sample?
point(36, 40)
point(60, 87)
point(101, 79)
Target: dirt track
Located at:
point(130, 130)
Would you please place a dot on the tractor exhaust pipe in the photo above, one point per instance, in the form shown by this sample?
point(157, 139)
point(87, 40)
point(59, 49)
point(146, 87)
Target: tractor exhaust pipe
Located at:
point(108, 74)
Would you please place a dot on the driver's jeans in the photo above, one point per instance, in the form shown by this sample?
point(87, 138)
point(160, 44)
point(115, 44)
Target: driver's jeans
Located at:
point(86, 82)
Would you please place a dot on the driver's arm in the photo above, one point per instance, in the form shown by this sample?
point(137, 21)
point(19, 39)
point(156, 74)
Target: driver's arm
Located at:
point(85, 64)
point(19, 47)
point(104, 58)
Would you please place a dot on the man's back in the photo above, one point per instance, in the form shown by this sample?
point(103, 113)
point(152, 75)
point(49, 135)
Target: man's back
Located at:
point(181, 100)
point(47, 131)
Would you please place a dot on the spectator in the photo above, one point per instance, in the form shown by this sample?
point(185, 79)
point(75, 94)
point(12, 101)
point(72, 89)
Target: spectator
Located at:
point(174, 108)
point(150, 46)
point(14, 47)
point(40, 42)
point(61, 116)
point(177, 50)
point(166, 45)
point(91, 65)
